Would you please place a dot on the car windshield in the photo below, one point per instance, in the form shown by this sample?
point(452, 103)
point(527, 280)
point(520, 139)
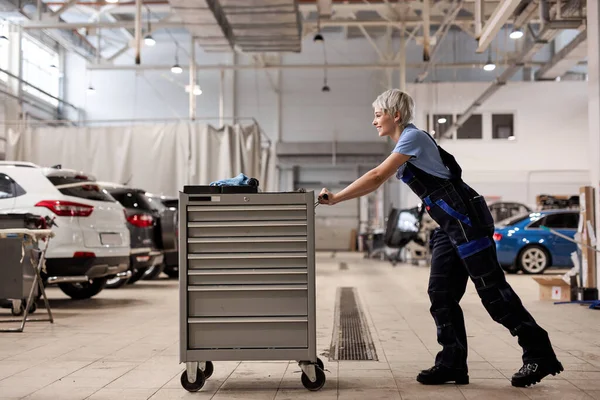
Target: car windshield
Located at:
point(519, 218)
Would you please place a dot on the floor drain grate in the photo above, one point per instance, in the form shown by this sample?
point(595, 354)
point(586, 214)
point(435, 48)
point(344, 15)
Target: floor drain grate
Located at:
point(351, 336)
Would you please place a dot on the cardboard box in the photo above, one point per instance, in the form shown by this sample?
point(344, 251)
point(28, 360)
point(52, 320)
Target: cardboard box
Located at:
point(553, 288)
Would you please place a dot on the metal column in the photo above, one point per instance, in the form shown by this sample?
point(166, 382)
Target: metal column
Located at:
point(593, 43)
point(402, 68)
point(193, 79)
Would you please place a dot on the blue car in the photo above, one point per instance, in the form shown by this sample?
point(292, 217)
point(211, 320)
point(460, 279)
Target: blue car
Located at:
point(522, 245)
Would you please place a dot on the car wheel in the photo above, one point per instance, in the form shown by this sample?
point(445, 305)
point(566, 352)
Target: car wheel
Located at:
point(534, 259)
point(83, 290)
point(511, 269)
point(153, 272)
point(116, 282)
point(136, 275)
point(172, 272)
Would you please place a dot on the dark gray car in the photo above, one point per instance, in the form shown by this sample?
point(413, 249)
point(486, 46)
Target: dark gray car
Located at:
point(144, 223)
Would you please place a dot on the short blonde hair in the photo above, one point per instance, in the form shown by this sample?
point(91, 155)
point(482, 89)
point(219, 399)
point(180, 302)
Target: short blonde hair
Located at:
point(395, 100)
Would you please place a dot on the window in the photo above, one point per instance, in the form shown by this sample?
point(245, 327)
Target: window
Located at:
point(562, 221)
point(471, 129)
point(3, 50)
point(440, 124)
point(558, 221)
point(9, 188)
point(40, 69)
point(132, 199)
point(89, 191)
point(502, 126)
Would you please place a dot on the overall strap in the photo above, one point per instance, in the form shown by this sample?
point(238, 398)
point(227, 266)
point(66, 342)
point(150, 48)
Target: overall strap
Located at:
point(448, 160)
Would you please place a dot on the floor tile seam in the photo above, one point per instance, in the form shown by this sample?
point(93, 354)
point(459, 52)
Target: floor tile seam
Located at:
point(281, 380)
point(59, 379)
point(117, 378)
point(225, 380)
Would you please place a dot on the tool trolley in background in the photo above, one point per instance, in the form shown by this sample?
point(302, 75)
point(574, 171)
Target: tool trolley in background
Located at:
point(23, 261)
point(246, 280)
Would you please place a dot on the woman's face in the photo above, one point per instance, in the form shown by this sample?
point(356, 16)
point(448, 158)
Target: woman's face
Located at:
point(384, 122)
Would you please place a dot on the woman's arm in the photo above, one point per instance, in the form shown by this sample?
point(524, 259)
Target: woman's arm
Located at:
point(369, 182)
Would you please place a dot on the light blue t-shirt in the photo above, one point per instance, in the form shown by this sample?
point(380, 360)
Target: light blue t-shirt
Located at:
point(425, 155)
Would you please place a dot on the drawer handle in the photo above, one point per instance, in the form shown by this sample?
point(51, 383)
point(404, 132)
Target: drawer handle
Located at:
point(245, 209)
point(245, 256)
point(247, 288)
point(265, 239)
point(246, 320)
point(244, 225)
point(245, 272)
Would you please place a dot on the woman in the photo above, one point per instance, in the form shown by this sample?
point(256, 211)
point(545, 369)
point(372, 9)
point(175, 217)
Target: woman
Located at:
point(462, 246)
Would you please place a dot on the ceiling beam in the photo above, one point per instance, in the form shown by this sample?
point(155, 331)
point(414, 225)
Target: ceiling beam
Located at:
point(565, 59)
point(29, 25)
point(445, 28)
point(493, 25)
point(548, 32)
point(205, 67)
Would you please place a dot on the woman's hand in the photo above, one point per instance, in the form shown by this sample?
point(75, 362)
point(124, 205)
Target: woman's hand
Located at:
point(326, 197)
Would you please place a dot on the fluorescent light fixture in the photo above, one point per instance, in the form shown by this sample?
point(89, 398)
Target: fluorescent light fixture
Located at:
point(511, 137)
point(489, 66)
point(197, 90)
point(516, 34)
point(149, 41)
point(442, 120)
point(112, 1)
point(176, 69)
point(91, 90)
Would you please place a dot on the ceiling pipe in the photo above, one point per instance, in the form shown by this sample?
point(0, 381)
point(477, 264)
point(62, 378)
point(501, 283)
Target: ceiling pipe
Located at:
point(208, 67)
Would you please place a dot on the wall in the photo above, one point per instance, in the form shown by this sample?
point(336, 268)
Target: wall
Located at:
point(550, 125)
point(548, 115)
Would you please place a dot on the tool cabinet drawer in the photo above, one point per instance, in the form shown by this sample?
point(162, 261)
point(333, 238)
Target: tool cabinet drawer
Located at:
point(247, 245)
point(247, 260)
point(239, 333)
point(247, 300)
point(246, 213)
point(246, 228)
point(248, 277)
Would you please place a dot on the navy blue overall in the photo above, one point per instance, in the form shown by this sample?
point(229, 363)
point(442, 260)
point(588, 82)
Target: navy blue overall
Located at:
point(463, 247)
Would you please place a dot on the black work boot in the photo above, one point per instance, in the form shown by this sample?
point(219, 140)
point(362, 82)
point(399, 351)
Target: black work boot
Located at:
point(532, 373)
point(438, 375)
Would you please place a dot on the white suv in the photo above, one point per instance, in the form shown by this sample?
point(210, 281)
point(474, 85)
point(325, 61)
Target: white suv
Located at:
point(92, 239)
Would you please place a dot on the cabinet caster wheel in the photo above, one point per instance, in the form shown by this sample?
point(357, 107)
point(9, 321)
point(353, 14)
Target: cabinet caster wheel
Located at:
point(320, 364)
point(318, 383)
point(208, 370)
point(195, 386)
point(18, 311)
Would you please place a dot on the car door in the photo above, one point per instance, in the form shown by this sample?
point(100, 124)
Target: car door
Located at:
point(565, 224)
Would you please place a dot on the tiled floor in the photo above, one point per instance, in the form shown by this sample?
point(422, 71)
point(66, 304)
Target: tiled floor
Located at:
point(124, 345)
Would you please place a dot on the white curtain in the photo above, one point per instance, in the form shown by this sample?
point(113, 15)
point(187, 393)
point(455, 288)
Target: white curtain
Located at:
point(159, 158)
